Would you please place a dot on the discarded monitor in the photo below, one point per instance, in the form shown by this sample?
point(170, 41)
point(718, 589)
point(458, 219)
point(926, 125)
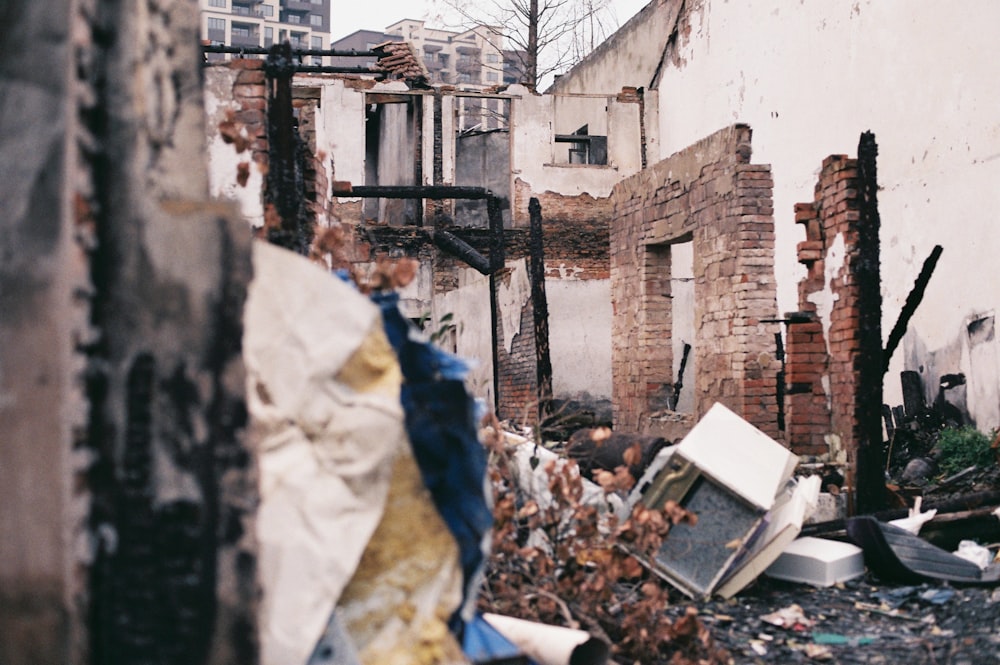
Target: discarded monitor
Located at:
point(728, 473)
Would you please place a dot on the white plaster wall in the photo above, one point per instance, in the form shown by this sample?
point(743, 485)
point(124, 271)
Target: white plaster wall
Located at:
point(624, 137)
point(628, 58)
point(469, 305)
point(570, 112)
point(343, 111)
point(809, 77)
point(580, 336)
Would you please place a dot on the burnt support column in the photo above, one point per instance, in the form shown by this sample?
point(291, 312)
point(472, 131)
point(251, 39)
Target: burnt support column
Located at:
point(285, 189)
point(540, 310)
point(870, 488)
point(497, 261)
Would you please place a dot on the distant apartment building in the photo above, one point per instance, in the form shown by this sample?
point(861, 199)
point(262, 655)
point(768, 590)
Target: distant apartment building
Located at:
point(255, 23)
point(473, 58)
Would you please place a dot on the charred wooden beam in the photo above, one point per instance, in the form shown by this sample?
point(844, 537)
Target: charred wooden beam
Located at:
point(913, 300)
point(870, 492)
point(461, 250)
point(497, 256)
point(540, 311)
point(913, 393)
point(285, 176)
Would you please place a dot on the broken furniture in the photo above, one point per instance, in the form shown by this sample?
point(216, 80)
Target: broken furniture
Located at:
point(730, 475)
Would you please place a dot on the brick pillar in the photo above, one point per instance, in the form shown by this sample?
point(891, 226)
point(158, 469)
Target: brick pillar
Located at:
point(824, 352)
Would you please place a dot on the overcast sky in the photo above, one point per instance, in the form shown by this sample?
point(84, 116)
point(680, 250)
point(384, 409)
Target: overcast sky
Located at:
point(350, 15)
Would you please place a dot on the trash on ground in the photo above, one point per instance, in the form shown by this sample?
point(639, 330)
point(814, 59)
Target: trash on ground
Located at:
point(482, 643)
point(972, 551)
point(551, 645)
point(895, 554)
point(537, 465)
point(841, 640)
point(916, 518)
point(782, 526)
point(599, 448)
point(789, 618)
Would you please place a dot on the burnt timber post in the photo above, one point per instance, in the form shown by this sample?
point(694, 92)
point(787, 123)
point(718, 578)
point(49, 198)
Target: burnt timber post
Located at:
point(497, 262)
point(870, 482)
point(285, 189)
point(540, 311)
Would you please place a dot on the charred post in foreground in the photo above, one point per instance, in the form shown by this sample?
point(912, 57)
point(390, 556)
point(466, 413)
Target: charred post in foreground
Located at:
point(870, 488)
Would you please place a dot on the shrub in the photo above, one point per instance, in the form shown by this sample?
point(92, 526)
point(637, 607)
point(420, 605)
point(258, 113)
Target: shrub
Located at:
point(962, 447)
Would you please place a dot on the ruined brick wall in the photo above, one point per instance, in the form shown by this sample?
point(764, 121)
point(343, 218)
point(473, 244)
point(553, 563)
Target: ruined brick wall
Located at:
point(576, 235)
point(709, 195)
point(823, 351)
point(250, 95)
point(517, 378)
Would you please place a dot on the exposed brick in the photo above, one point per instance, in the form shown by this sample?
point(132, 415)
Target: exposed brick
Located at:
point(724, 208)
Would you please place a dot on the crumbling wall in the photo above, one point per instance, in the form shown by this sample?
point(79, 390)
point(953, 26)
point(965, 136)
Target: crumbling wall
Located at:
point(46, 230)
point(127, 488)
point(631, 56)
point(712, 196)
point(236, 134)
point(827, 355)
point(822, 339)
point(806, 100)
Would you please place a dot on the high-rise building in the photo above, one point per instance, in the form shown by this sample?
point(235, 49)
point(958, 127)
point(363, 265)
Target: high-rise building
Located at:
point(474, 58)
point(255, 23)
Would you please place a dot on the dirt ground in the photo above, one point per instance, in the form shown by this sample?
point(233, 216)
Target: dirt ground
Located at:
point(862, 621)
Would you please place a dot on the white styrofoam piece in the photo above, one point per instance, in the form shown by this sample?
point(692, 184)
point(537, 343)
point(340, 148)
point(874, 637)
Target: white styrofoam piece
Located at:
point(818, 561)
point(738, 456)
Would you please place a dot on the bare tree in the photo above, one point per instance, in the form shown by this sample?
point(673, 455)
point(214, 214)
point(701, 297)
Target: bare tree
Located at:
point(543, 37)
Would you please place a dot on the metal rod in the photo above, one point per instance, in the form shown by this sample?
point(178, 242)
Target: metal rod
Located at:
point(434, 192)
point(264, 50)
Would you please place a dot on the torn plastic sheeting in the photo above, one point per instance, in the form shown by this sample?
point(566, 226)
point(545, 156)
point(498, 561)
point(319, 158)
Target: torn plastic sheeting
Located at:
point(323, 395)
point(408, 581)
point(551, 645)
point(440, 422)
